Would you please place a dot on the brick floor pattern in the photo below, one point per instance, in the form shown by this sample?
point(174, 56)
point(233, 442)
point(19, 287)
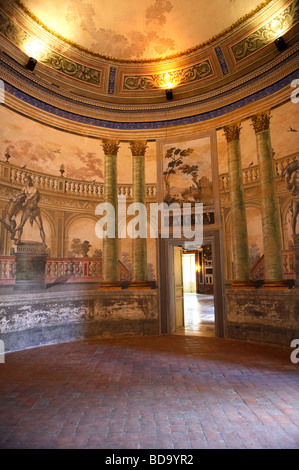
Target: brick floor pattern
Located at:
point(156, 392)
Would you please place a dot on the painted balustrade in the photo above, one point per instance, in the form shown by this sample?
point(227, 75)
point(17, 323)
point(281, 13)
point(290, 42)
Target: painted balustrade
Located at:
point(61, 270)
point(7, 270)
point(73, 269)
point(78, 188)
point(251, 174)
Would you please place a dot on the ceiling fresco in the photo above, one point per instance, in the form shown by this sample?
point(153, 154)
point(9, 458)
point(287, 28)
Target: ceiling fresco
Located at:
point(139, 30)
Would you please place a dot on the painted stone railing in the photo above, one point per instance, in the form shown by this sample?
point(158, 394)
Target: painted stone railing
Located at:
point(251, 174)
point(50, 183)
point(7, 270)
point(62, 270)
point(288, 261)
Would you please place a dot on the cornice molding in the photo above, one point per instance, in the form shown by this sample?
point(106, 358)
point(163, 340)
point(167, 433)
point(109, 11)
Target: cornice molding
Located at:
point(254, 87)
point(140, 131)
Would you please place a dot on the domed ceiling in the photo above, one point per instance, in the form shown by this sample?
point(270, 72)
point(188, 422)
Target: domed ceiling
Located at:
point(107, 63)
point(134, 29)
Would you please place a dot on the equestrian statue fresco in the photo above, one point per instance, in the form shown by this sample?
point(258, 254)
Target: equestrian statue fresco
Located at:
point(25, 202)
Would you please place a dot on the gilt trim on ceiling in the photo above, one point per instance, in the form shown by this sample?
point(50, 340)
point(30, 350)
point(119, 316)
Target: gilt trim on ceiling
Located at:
point(264, 35)
point(198, 72)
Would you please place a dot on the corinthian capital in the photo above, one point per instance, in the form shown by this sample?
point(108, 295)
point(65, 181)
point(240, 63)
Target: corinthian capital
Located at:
point(138, 147)
point(232, 132)
point(110, 147)
point(261, 122)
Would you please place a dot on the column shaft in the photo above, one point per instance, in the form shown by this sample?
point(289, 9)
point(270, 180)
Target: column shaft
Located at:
point(110, 245)
point(139, 196)
point(237, 205)
point(270, 216)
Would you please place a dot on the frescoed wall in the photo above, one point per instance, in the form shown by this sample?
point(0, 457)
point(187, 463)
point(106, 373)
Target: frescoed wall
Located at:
point(285, 143)
point(68, 171)
point(187, 172)
point(42, 148)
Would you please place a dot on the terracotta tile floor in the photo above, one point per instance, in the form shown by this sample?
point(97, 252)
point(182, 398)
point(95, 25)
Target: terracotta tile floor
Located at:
point(161, 392)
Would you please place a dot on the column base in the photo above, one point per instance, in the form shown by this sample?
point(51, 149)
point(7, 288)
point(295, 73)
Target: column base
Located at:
point(246, 284)
point(140, 285)
point(275, 285)
point(110, 285)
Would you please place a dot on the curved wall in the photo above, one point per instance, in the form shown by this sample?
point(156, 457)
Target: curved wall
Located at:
point(56, 121)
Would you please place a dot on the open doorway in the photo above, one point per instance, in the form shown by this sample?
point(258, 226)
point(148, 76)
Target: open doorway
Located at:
point(195, 313)
point(198, 288)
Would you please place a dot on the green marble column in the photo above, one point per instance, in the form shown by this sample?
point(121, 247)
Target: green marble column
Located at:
point(110, 245)
point(139, 195)
point(270, 216)
point(237, 208)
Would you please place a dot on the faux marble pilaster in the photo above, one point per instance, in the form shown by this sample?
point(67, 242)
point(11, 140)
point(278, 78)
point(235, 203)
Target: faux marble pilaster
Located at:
point(139, 196)
point(270, 217)
point(237, 208)
point(110, 245)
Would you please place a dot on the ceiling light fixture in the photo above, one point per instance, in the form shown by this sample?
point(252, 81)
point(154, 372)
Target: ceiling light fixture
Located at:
point(280, 44)
point(169, 94)
point(31, 64)
point(35, 50)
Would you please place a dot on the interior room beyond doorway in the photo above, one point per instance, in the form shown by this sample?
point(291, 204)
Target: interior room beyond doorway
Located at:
point(199, 315)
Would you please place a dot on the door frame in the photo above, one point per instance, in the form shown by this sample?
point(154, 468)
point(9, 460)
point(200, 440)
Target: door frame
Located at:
point(166, 282)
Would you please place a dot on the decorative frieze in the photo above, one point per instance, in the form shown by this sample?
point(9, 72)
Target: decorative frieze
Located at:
point(267, 33)
point(71, 68)
point(197, 72)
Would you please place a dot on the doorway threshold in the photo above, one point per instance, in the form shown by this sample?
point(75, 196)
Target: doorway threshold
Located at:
point(201, 330)
point(199, 317)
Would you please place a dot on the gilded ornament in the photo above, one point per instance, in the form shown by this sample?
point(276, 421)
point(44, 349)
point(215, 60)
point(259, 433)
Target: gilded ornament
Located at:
point(110, 147)
point(232, 132)
point(266, 33)
point(138, 147)
point(261, 122)
point(197, 72)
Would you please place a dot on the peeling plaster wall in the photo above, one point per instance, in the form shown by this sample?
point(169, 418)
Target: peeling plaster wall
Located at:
point(268, 316)
point(38, 319)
